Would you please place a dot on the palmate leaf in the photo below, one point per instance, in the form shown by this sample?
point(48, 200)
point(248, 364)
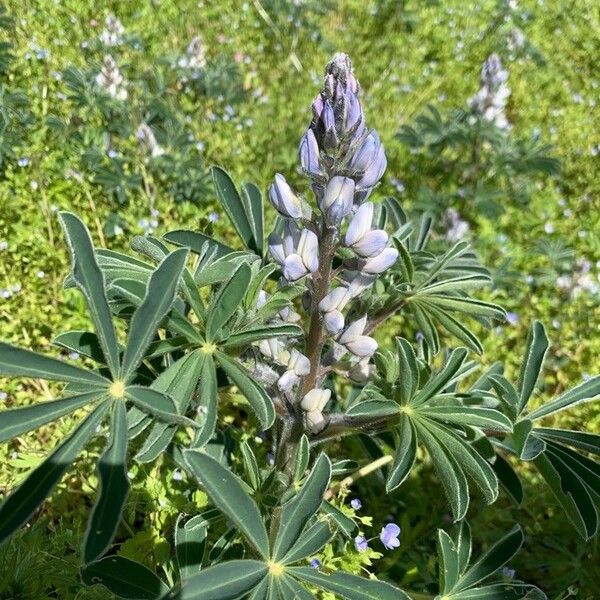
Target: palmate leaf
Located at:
point(225, 581)
point(246, 219)
point(255, 394)
point(296, 513)
point(228, 494)
point(346, 585)
point(20, 504)
point(537, 346)
point(17, 362)
point(125, 578)
point(310, 542)
point(16, 421)
point(90, 280)
point(207, 406)
point(226, 301)
point(460, 582)
point(160, 294)
point(114, 488)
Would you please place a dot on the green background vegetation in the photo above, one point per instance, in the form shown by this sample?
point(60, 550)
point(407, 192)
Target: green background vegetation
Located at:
point(406, 55)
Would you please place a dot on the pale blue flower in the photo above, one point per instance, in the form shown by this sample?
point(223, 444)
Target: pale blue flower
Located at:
point(361, 543)
point(389, 536)
point(315, 563)
point(356, 504)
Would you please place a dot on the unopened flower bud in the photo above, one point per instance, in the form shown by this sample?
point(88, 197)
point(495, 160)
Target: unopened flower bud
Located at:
point(296, 252)
point(366, 242)
point(335, 299)
point(354, 340)
point(316, 399)
point(283, 198)
point(374, 171)
point(333, 321)
point(337, 199)
point(381, 262)
point(309, 154)
point(315, 420)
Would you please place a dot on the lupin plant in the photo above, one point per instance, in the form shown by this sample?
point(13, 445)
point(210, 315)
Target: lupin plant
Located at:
point(288, 325)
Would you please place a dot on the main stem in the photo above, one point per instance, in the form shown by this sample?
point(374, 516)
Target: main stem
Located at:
point(315, 339)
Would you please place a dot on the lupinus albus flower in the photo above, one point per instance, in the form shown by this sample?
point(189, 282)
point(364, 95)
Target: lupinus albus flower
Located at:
point(195, 55)
point(337, 199)
point(360, 543)
point(355, 342)
point(112, 35)
point(490, 101)
point(111, 80)
point(456, 227)
point(309, 154)
point(313, 404)
point(389, 536)
point(382, 262)
point(283, 198)
point(332, 305)
point(296, 252)
point(356, 504)
point(366, 242)
point(145, 136)
point(315, 563)
point(297, 366)
point(286, 314)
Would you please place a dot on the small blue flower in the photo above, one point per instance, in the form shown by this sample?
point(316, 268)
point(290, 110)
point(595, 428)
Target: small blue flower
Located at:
point(507, 572)
point(389, 536)
point(356, 504)
point(361, 543)
point(512, 318)
point(315, 563)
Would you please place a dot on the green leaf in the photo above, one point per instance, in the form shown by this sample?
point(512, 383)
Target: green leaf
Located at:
point(296, 513)
point(589, 442)
point(570, 493)
point(113, 491)
point(441, 380)
point(449, 471)
point(160, 295)
point(253, 204)
point(179, 382)
point(226, 300)
point(125, 578)
point(290, 588)
point(243, 338)
point(84, 343)
point(310, 542)
point(302, 458)
point(257, 397)
point(23, 501)
point(235, 209)
point(344, 523)
point(508, 479)
point(155, 403)
point(587, 470)
point(537, 346)
point(17, 421)
point(228, 495)
point(90, 280)
point(207, 406)
point(582, 393)
point(409, 370)
point(497, 556)
point(226, 581)
point(351, 587)
point(17, 362)
point(197, 242)
point(527, 445)
point(404, 458)
point(470, 461)
point(474, 416)
point(449, 562)
point(501, 591)
point(368, 410)
point(190, 542)
point(250, 465)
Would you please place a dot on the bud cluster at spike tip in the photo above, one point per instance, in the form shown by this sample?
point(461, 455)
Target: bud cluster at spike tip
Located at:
point(343, 161)
point(490, 101)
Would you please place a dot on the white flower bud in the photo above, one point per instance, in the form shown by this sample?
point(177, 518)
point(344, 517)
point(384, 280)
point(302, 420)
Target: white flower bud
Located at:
point(287, 381)
point(371, 244)
point(283, 198)
point(298, 363)
point(361, 346)
point(338, 198)
point(360, 224)
point(333, 321)
point(315, 420)
point(381, 262)
point(335, 300)
point(316, 399)
point(353, 331)
point(294, 268)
